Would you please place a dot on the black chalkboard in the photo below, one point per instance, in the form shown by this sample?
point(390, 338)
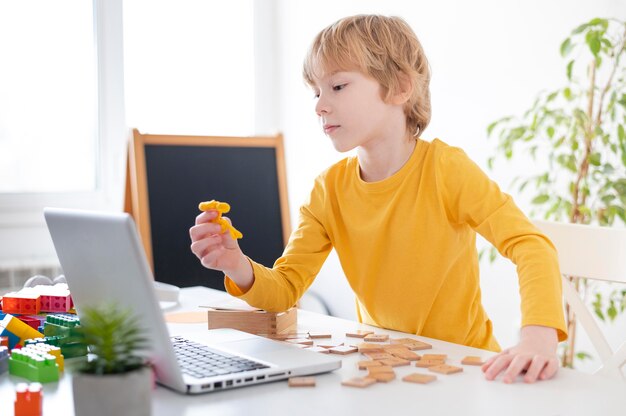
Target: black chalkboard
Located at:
point(182, 171)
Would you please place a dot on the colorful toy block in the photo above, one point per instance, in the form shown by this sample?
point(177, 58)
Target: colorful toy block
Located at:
point(22, 302)
point(62, 325)
point(4, 359)
point(32, 322)
point(43, 348)
point(28, 399)
point(11, 339)
point(19, 328)
point(70, 346)
point(33, 366)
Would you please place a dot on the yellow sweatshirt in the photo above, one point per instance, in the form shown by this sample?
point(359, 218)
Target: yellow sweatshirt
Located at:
point(407, 245)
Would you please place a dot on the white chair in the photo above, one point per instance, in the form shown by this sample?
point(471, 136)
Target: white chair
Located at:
point(597, 253)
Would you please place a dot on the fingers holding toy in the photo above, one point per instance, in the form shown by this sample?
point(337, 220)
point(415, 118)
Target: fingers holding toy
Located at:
point(221, 208)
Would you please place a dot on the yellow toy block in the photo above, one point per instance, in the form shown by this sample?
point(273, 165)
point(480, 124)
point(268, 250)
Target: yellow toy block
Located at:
point(19, 328)
point(221, 208)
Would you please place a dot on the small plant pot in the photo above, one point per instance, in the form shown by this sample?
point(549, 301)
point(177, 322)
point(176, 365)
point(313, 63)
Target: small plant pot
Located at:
point(113, 394)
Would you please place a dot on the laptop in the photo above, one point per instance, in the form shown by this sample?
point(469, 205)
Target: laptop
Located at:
point(103, 260)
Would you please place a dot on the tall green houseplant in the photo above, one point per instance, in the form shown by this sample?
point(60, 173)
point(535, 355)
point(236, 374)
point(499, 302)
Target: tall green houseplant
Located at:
point(576, 136)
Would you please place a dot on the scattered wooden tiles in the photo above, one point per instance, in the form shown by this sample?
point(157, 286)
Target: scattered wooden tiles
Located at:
point(376, 338)
point(403, 353)
point(359, 333)
point(412, 344)
point(343, 350)
point(359, 382)
point(382, 377)
point(419, 378)
point(472, 360)
point(381, 369)
point(302, 382)
point(364, 365)
point(377, 355)
point(428, 363)
point(329, 344)
point(395, 362)
point(441, 357)
point(366, 347)
point(319, 335)
point(445, 369)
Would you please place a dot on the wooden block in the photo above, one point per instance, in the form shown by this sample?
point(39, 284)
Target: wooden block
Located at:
point(419, 378)
point(302, 341)
point(329, 344)
point(359, 382)
point(381, 369)
point(412, 344)
point(445, 369)
point(472, 360)
point(319, 335)
point(403, 353)
point(366, 347)
point(315, 348)
point(254, 322)
point(364, 365)
point(376, 338)
point(343, 350)
point(428, 363)
point(395, 362)
point(302, 382)
point(441, 357)
point(382, 377)
point(359, 333)
point(378, 355)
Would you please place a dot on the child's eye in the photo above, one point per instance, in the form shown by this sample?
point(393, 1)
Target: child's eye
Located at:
point(339, 87)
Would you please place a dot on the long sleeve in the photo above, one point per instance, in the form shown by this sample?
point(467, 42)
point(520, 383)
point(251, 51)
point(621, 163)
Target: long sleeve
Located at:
point(474, 199)
point(279, 288)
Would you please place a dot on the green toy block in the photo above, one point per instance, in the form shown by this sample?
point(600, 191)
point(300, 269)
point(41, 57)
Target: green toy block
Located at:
point(62, 325)
point(70, 347)
point(33, 366)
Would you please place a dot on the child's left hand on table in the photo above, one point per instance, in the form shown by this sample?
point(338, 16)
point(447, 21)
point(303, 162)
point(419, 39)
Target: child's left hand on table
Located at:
point(535, 355)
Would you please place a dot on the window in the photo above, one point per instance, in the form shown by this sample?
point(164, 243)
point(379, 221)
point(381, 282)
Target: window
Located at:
point(48, 102)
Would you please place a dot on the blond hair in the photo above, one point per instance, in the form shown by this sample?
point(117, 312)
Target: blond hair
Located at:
point(385, 48)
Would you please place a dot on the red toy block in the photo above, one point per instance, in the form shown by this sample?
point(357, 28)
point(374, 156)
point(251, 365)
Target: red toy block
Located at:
point(15, 303)
point(28, 399)
point(32, 322)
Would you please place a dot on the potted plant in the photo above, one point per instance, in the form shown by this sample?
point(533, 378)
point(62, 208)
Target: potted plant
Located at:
point(576, 137)
point(116, 378)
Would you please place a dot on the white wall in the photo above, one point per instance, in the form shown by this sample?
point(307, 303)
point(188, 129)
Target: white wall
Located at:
point(489, 59)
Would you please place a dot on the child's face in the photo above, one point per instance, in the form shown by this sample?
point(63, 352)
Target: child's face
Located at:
point(352, 111)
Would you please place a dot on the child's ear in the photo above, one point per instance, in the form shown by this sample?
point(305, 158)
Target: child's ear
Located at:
point(405, 90)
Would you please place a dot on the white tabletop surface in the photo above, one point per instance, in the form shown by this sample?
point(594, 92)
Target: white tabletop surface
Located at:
point(466, 393)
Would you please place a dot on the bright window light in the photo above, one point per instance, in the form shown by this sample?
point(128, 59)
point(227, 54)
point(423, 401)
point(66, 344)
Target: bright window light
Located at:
point(48, 103)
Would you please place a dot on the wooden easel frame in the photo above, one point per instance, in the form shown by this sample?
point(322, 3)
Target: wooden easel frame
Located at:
point(136, 196)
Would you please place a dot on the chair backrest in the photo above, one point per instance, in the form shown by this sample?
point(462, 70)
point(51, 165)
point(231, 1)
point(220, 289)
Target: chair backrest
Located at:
point(597, 253)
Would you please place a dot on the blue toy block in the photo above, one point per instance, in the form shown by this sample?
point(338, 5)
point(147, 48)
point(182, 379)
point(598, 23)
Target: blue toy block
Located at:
point(13, 339)
point(4, 359)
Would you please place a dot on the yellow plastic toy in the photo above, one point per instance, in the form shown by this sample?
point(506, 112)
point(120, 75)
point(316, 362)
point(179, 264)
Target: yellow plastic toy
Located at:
point(221, 208)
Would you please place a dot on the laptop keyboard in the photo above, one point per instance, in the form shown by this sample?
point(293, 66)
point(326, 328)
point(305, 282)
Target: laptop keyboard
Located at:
point(198, 360)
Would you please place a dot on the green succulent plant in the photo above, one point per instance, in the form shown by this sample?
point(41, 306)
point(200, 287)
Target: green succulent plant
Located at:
point(115, 340)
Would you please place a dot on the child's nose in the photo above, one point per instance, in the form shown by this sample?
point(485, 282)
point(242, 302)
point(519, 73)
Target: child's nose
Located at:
point(321, 107)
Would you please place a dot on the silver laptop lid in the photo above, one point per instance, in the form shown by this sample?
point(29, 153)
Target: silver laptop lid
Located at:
point(103, 260)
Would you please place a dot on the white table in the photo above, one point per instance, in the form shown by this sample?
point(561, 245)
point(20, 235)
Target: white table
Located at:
point(467, 393)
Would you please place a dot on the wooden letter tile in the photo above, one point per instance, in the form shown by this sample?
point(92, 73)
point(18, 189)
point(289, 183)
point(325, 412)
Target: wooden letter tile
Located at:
point(343, 350)
point(359, 333)
point(395, 362)
point(472, 360)
point(445, 369)
point(376, 338)
point(302, 382)
point(412, 344)
point(441, 357)
point(364, 365)
point(419, 378)
point(359, 382)
point(428, 363)
point(319, 335)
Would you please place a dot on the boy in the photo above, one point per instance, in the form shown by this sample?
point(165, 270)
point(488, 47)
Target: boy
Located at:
point(402, 215)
